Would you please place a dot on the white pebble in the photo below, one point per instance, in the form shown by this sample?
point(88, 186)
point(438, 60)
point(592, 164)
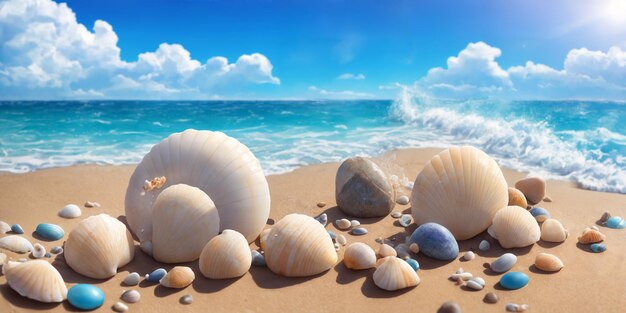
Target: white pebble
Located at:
point(132, 279)
point(131, 296)
point(468, 256)
point(484, 245)
point(343, 224)
point(70, 211)
point(186, 299)
point(120, 307)
point(403, 200)
point(355, 223)
point(414, 248)
point(39, 251)
point(342, 240)
point(513, 307)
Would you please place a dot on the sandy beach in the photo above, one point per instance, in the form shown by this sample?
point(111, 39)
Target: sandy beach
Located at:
point(589, 282)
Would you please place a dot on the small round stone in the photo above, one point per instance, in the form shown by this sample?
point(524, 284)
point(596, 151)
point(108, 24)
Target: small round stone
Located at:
point(343, 224)
point(186, 299)
point(132, 279)
point(414, 264)
point(449, 307)
point(16, 228)
point(359, 231)
point(131, 296)
point(341, 239)
point(491, 297)
point(405, 220)
point(468, 256)
point(355, 223)
point(414, 247)
point(85, 297)
point(120, 307)
point(504, 263)
point(47, 255)
point(56, 250)
point(484, 245)
point(322, 218)
point(321, 204)
point(258, 259)
point(396, 214)
point(156, 275)
point(598, 247)
point(402, 200)
point(514, 280)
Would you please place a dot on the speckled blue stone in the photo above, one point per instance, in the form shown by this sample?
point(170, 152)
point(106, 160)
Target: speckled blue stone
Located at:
point(156, 275)
point(435, 241)
point(85, 297)
point(598, 247)
point(514, 280)
point(50, 231)
point(414, 264)
point(540, 214)
point(616, 222)
point(16, 228)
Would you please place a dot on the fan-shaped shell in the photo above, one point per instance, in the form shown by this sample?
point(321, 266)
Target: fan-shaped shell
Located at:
point(359, 256)
point(98, 246)
point(226, 256)
point(460, 188)
point(184, 219)
point(219, 165)
point(395, 274)
point(37, 280)
point(548, 262)
point(515, 227)
point(298, 245)
point(553, 231)
point(15, 243)
point(516, 197)
point(178, 277)
point(591, 236)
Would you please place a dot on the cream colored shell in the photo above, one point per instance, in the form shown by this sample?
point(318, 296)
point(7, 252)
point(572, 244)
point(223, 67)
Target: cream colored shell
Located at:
point(553, 231)
point(395, 274)
point(178, 277)
point(226, 256)
point(184, 219)
point(298, 246)
point(359, 256)
point(219, 165)
point(460, 188)
point(98, 246)
point(37, 280)
point(515, 227)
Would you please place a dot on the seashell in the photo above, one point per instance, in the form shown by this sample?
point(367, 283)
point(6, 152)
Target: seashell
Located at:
point(98, 246)
point(475, 283)
point(449, 307)
point(184, 219)
point(462, 276)
point(552, 231)
point(70, 211)
point(57, 250)
point(516, 197)
point(491, 297)
point(16, 228)
point(156, 275)
point(37, 280)
point(178, 277)
point(591, 236)
point(119, 307)
point(321, 204)
point(146, 247)
point(515, 227)
point(342, 240)
point(218, 165)
point(4, 227)
point(490, 232)
point(605, 217)
point(228, 256)
point(359, 231)
point(548, 262)
point(258, 259)
point(322, 218)
point(38, 251)
point(514, 307)
point(405, 220)
point(533, 188)
point(484, 245)
point(186, 299)
point(396, 214)
point(386, 250)
point(131, 296)
point(435, 241)
point(616, 222)
point(402, 200)
point(50, 231)
point(355, 223)
point(414, 247)
point(359, 256)
point(402, 251)
point(15, 243)
point(468, 256)
point(514, 280)
point(343, 224)
point(299, 246)
point(132, 279)
point(85, 296)
point(598, 247)
point(92, 204)
point(263, 238)
point(460, 188)
point(395, 274)
point(362, 189)
point(504, 263)
point(413, 263)
point(540, 214)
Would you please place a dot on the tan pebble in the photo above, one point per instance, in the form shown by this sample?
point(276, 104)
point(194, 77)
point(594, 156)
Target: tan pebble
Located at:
point(321, 204)
point(414, 248)
point(512, 307)
point(386, 250)
point(120, 307)
point(534, 188)
point(131, 296)
point(491, 297)
point(91, 204)
point(547, 199)
point(343, 224)
point(396, 214)
point(548, 262)
point(460, 281)
point(449, 307)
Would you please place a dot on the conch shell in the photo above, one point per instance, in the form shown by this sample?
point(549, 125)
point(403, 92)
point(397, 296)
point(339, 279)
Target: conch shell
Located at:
point(37, 280)
point(515, 227)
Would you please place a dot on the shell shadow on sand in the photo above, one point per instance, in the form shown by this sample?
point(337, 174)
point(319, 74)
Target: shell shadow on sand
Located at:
point(347, 276)
point(22, 302)
point(265, 278)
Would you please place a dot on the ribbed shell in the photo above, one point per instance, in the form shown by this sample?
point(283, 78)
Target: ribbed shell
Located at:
point(359, 256)
point(395, 274)
point(178, 277)
point(516, 197)
point(515, 227)
point(219, 165)
point(298, 246)
point(552, 231)
point(98, 246)
point(37, 280)
point(591, 236)
point(226, 256)
point(184, 219)
point(16, 243)
point(460, 188)
point(548, 262)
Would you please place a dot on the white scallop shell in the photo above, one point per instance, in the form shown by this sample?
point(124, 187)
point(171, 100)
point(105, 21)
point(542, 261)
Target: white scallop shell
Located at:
point(227, 255)
point(553, 231)
point(460, 188)
point(184, 219)
point(37, 280)
point(515, 227)
point(219, 165)
point(98, 246)
point(298, 246)
point(359, 256)
point(70, 211)
point(395, 274)
point(15, 243)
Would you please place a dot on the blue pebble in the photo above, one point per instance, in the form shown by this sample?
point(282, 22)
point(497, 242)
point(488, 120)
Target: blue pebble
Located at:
point(435, 241)
point(332, 234)
point(514, 280)
point(616, 222)
point(16, 228)
point(414, 264)
point(50, 231)
point(85, 297)
point(540, 214)
point(258, 259)
point(156, 275)
point(598, 247)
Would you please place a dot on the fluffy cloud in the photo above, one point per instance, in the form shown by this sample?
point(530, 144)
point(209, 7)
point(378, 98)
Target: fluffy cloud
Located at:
point(350, 76)
point(475, 73)
point(342, 94)
point(46, 53)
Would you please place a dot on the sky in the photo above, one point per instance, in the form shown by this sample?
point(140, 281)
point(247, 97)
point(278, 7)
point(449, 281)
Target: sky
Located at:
point(365, 49)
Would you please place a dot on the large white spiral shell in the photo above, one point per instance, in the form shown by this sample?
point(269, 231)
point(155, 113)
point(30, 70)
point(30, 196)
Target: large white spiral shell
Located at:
point(219, 165)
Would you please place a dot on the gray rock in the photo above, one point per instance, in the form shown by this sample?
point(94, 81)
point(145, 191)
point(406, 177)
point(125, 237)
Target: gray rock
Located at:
point(449, 307)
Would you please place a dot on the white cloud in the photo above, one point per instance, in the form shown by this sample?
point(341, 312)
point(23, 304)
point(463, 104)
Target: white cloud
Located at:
point(342, 94)
point(350, 76)
point(45, 52)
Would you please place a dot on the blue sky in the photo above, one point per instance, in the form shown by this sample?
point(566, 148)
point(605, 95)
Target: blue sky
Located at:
point(312, 49)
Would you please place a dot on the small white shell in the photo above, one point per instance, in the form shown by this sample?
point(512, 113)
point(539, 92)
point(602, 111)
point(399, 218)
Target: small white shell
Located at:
point(553, 231)
point(120, 307)
point(131, 296)
point(395, 274)
point(359, 256)
point(4, 227)
point(227, 255)
point(70, 211)
point(515, 227)
point(15, 243)
point(39, 251)
point(386, 250)
point(341, 239)
point(343, 224)
point(468, 256)
point(178, 277)
point(37, 280)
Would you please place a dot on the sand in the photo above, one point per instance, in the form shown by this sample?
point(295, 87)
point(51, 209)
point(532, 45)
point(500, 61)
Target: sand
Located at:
point(589, 282)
